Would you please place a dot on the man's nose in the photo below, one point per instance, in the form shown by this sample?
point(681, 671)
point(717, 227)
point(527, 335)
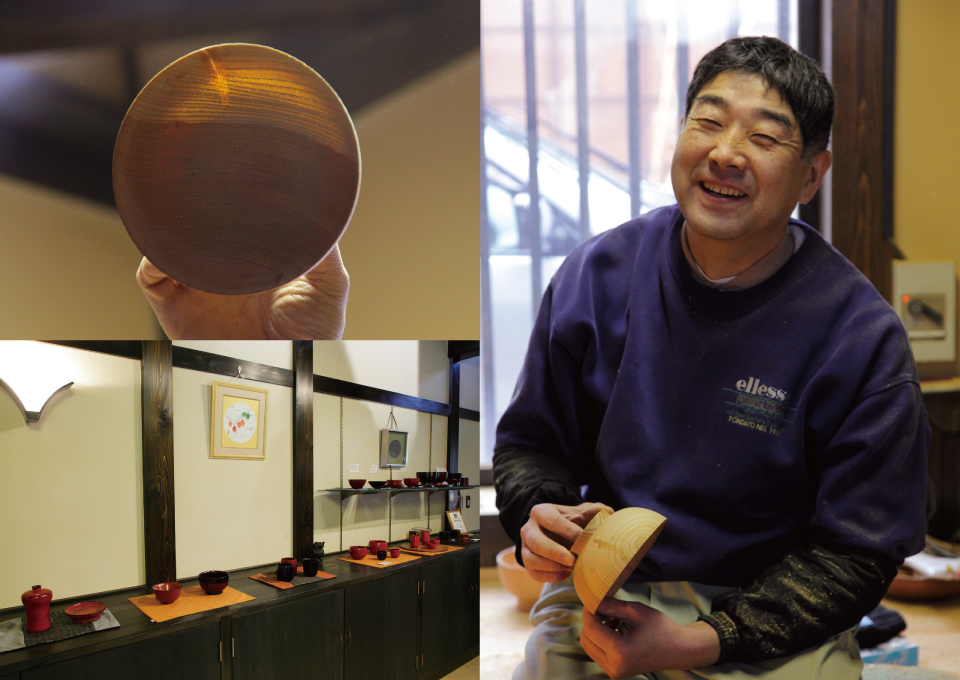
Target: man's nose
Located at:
point(728, 150)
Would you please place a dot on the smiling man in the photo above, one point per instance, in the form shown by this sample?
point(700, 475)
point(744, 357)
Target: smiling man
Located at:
point(720, 363)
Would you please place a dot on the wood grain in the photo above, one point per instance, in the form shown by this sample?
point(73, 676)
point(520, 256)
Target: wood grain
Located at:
point(862, 155)
point(236, 169)
point(612, 551)
point(159, 538)
point(303, 448)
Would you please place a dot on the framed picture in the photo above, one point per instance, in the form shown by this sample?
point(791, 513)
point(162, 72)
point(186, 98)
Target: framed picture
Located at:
point(393, 448)
point(456, 521)
point(238, 425)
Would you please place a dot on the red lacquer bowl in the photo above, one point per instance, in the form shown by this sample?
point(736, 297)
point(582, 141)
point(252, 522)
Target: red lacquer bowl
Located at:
point(85, 612)
point(358, 552)
point(168, 592)
point(411, 482)
point(357, 483)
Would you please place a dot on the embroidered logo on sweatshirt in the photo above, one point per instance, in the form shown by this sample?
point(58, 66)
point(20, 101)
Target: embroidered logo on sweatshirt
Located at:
point(758, 406)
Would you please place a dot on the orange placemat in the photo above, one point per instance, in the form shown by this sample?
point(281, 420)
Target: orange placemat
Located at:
point(439, 550)
point(298, 580)
point(372, 561)
point(191, 601)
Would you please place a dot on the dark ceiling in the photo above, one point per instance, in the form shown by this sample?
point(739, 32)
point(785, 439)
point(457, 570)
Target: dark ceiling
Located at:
point(69, 70)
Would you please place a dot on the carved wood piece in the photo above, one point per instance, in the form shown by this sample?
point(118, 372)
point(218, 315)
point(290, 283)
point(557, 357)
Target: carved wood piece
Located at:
point(614, 547)
point(236, 169)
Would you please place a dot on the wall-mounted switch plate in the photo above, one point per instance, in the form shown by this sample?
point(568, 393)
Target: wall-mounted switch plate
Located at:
point(925, 297)
point(467, 501)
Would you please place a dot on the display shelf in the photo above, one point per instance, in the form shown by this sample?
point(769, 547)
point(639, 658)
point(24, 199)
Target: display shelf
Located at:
point(418, 489)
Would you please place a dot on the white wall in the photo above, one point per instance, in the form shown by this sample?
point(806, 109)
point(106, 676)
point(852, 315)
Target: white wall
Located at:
point(230, 513)
point(71, 493)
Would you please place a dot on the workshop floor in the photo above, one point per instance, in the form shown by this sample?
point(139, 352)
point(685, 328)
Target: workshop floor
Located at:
point(935, 627)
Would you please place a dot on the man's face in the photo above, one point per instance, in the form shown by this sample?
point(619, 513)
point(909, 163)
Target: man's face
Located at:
point(737, 170)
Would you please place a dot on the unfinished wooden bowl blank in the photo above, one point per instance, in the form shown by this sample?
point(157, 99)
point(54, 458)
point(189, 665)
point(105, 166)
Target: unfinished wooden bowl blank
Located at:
point(236, 169)
point(614, 545)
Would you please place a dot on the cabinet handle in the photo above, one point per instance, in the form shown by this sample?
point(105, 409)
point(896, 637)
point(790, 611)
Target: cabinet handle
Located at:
point(350, 638)
point(340, 633)
point(233, 648)
point(220, 650)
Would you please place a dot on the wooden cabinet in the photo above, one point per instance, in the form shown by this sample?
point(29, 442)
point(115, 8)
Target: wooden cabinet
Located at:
point(380, 618)
point(418, 621)
point(192, 654)
point(299, 640)
point(450, 613)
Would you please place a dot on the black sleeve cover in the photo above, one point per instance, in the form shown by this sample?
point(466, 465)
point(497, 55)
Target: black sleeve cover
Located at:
point(808, 596)
point(525, 478)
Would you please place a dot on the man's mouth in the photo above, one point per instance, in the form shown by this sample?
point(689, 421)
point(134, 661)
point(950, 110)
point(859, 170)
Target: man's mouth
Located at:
point(725, 192)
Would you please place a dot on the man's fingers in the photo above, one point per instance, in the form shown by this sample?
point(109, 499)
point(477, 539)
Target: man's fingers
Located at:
point(548, 576)
point(618, 609)
point(551, 519)
point(534, 541)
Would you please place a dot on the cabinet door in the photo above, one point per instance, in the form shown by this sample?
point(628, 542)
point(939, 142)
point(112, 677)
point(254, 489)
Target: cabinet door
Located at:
point(381, 621)
point(450, 624)
point(187, 655)
point(294, 641)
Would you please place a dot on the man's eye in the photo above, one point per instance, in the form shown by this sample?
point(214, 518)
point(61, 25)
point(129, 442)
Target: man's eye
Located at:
point(709, 122)
point(765, 139)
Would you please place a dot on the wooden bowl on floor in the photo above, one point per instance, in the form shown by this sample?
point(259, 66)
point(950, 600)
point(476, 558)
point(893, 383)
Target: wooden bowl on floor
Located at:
point(516, 580)
point(236, 169)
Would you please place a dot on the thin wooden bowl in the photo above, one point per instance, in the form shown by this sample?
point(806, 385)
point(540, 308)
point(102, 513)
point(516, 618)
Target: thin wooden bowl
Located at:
point(612, 549)
point(236, 169)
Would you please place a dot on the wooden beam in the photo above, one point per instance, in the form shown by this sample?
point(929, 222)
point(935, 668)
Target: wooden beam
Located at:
point(159, 540)
point(862, 151)
point(58, 24)
point(302, 447)
point(453, 422)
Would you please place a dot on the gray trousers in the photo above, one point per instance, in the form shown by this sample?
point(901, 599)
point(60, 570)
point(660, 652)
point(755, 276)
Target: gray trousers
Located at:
point(553, 651)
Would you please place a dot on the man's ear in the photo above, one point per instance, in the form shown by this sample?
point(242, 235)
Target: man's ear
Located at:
point(817, 169)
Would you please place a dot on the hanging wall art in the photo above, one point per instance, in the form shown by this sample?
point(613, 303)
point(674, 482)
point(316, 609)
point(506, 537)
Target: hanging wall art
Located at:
point(239, 422)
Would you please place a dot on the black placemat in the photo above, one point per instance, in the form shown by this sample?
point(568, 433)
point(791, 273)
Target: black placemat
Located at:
point(62, 628)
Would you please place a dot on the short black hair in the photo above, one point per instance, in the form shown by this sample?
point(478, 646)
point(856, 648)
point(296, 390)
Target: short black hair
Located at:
point(798, 78)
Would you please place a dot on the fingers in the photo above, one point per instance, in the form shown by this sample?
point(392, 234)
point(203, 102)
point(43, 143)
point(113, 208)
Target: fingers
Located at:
point(330, 275)
point(542, 546)
point(619, 609)
point(157, 286)
point(550, 518)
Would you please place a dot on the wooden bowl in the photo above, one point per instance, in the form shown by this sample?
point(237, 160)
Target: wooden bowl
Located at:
point(516, 580)
point(236, 169)
point(609, 549)
point(907, 586)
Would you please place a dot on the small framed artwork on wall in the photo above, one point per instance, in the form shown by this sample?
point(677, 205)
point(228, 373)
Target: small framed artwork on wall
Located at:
point(239, 422)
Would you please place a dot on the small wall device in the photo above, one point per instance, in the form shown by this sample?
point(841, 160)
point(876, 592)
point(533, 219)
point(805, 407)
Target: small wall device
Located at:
point(925, 298)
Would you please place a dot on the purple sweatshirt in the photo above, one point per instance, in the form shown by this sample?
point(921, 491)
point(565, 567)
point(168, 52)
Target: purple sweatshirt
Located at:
point(756, 421)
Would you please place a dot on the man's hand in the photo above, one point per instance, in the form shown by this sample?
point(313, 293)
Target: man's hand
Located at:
point(311, 307)
point(639, 639)
point(548, 534)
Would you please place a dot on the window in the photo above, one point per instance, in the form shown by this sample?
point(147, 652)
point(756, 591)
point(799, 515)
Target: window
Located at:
point(581, 110)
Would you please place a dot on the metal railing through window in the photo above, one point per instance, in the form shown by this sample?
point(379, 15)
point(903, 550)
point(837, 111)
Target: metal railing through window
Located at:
point(582, 103)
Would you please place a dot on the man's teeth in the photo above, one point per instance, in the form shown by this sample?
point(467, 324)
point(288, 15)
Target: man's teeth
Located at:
point(717, 189)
